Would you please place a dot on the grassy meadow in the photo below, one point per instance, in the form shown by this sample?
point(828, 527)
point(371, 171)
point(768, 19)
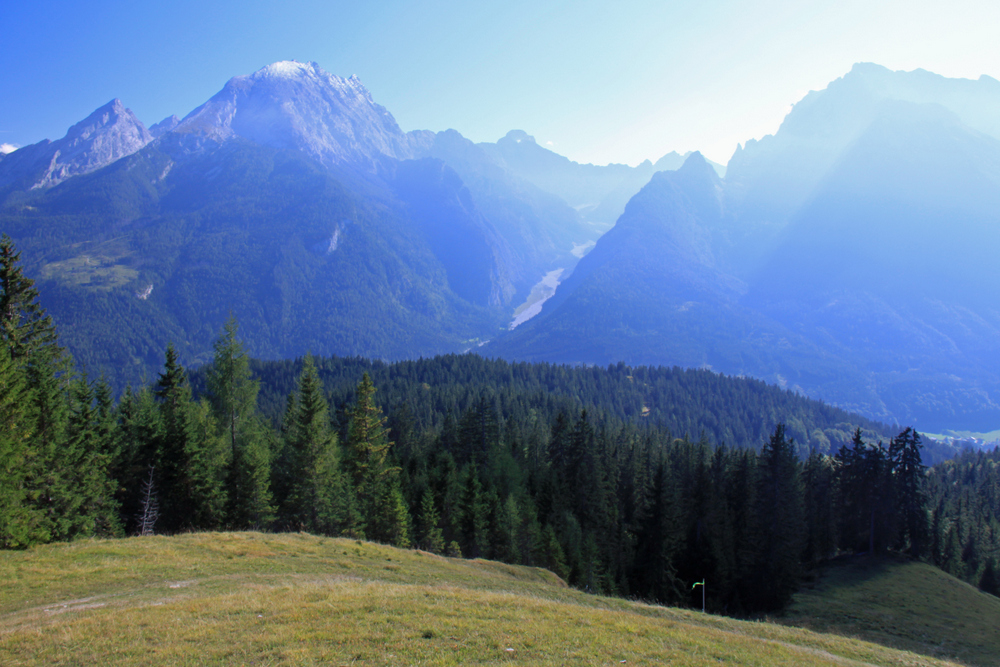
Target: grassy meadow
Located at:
point(909, 605)
point(256, 599)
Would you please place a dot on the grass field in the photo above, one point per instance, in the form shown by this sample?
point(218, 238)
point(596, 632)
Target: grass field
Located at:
point(905, 604)
point(254, 599)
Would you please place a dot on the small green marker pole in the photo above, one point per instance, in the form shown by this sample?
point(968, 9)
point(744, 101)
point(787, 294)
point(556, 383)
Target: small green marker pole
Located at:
point(702, 584)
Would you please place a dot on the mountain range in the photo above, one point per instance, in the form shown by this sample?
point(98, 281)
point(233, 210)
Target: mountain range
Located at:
point(845, 257)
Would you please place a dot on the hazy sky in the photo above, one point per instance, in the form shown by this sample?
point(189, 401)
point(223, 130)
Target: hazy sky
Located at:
point(599, 82)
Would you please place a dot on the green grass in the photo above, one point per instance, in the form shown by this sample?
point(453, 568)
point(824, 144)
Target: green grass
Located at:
point(92, 271)
point(909, 605)
point(246, 598)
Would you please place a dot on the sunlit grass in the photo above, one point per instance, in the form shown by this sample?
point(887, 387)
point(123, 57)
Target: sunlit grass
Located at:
point(249, 598)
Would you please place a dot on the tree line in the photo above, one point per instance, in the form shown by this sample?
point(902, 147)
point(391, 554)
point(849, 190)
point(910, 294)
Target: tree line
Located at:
point(613, 505)
point(964, 497)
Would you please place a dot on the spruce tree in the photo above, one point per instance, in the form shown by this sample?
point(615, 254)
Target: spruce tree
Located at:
point(429, 535)
point(910, 488)
point(383, 513)
point(317, 497)
point(233, 394)
point(25, 328)
point(16, 520)
point(29, 339)
point(780, 534)
point(174, 442)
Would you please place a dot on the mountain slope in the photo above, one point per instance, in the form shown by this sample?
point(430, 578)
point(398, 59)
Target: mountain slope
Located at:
point(654, 292)
point(163, 246)
point(540, 229)
point(598, 192)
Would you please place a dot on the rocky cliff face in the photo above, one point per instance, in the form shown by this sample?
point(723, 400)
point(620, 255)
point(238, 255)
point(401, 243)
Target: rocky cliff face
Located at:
point(110, 133)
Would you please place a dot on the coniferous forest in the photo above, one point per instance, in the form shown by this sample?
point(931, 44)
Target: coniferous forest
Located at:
point(695, 478)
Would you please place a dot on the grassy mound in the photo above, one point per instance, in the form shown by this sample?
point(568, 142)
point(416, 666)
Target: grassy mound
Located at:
point(246, 598)
point(904, 604)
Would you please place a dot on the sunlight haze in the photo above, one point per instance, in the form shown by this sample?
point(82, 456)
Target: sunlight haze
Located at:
point(597, 82)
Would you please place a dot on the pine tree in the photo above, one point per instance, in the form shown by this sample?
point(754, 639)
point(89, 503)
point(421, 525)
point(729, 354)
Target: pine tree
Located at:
point(317, 497)
point(80, 490)
point(174, 442)
point(29, 339)
point(25, 328)
point(430, 537)
point(233, 395)
point(16, 517)
point(780, 526)
point(821, 537)
point(207, 462)
point(376, 480)
point(475, 517)
point(911, 495)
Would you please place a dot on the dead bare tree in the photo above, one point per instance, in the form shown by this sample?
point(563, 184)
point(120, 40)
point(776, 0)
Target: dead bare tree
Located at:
point(150, 506)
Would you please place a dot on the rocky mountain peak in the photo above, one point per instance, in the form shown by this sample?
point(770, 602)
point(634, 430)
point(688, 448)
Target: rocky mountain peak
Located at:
point(109, 133)
point(300, 106)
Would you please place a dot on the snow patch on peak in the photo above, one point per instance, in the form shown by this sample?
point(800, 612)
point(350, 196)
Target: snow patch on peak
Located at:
point(7, 148)
point(288, 69)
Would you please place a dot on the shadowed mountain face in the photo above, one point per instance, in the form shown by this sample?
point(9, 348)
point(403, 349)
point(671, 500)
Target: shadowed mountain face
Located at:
point(847, 256)
point(540, 228)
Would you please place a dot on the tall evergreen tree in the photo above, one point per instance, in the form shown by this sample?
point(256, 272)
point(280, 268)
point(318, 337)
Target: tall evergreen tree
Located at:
point(910, 489)
point(17, 527)
point(233, 394)
point(25, 328)
point(317, 498)
point(779, 522)
point(429, 535)
point(376, 479)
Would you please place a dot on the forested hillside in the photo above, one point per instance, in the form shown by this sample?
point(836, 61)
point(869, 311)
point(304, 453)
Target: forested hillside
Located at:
point(532, 464)
point(698, 404)
point(965, 503)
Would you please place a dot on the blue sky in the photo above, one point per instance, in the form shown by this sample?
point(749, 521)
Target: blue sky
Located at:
point(597, 81)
